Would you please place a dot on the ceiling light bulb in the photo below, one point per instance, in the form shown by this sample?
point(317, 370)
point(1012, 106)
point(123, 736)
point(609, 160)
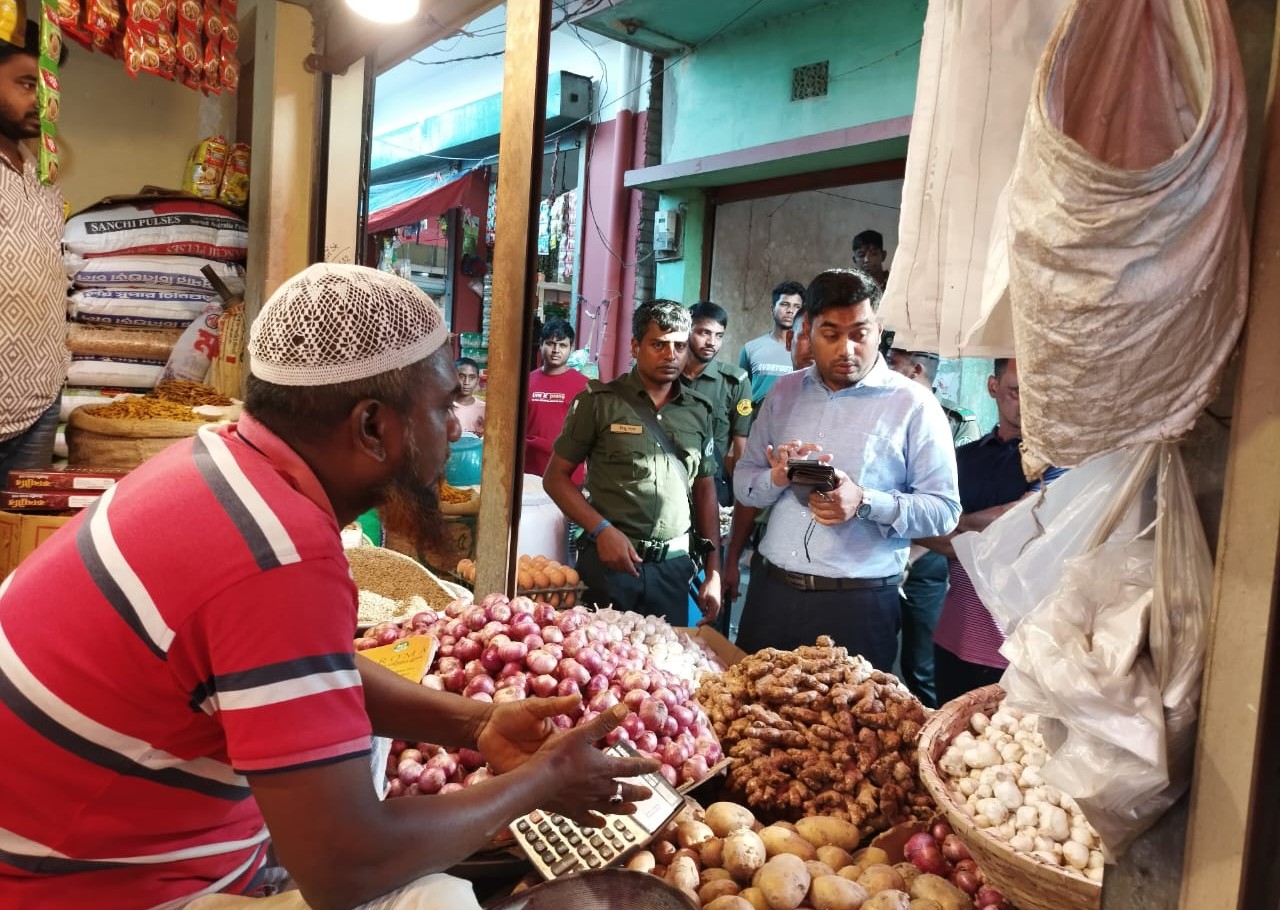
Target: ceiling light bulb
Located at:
point(386, 11)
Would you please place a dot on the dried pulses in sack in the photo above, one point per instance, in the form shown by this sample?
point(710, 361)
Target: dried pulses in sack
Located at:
point(136, 344)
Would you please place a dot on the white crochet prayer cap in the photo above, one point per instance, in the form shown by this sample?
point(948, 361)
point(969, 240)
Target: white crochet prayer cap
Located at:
point(334, 323)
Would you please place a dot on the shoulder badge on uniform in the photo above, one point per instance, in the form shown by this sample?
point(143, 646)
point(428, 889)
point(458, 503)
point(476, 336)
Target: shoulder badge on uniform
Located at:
point(744, 407)
point(954, 409)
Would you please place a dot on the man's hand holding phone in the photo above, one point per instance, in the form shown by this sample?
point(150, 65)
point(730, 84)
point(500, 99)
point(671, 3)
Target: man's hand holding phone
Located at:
point(780, 455)
point(838, 505)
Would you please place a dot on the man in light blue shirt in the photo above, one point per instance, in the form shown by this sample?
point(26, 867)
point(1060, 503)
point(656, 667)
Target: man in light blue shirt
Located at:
point(833, 561)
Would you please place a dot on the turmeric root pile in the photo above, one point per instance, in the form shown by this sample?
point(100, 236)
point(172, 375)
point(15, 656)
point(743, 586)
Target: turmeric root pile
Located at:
point(815, 731)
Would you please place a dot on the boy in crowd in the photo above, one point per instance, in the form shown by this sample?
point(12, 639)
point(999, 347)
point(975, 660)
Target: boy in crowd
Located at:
point(468, 408)
point(766, 358)
point(552, 388)
point(869, 256)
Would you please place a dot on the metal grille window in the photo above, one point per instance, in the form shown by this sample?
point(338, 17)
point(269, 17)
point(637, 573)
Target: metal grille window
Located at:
point(809, 81)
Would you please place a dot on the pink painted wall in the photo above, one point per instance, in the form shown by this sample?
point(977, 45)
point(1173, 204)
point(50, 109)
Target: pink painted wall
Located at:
point(611, 224)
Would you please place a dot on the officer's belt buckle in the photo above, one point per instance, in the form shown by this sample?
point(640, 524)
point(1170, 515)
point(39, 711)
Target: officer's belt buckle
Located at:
point(661, 550)
point(654, 551)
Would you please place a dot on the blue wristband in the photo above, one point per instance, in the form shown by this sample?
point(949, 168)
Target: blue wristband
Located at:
point(606, 523)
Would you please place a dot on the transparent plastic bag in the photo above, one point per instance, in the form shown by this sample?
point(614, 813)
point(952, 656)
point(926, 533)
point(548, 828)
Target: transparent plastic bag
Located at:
point(1018, 561)
point(1111, 656)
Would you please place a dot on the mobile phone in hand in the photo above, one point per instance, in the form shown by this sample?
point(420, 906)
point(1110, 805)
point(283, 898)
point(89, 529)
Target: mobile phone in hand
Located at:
point(807, 477)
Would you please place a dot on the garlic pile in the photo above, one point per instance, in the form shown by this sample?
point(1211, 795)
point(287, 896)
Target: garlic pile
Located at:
point(996, 766)
point(670, 650)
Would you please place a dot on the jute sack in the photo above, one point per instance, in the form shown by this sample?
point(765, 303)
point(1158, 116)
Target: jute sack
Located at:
point(1128, 254)
point(105, 442)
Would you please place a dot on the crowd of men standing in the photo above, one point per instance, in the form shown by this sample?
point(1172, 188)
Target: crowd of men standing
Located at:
point(643, 463)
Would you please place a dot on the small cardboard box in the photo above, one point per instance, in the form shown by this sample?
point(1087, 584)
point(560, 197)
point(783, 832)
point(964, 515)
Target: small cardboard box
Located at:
point(410, 657)
point(727, 652)
point(21, 534)
point(66, 479)
point(47, 500)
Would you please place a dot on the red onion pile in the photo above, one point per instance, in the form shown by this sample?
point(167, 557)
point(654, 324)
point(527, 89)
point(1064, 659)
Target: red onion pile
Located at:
point(420, 769)
point(504, 650)
point(938, 851)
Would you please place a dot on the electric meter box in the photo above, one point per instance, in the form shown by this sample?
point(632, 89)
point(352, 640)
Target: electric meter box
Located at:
point(666, 231)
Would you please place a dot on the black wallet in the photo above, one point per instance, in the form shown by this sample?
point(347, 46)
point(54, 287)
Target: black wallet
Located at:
point(807, 477)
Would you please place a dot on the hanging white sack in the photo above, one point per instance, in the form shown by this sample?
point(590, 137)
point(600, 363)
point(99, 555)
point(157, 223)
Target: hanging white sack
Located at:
point(977, 63)
point(1128, 254)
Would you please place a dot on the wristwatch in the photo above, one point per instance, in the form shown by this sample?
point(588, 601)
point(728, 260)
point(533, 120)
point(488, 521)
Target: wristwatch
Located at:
point(864, 509)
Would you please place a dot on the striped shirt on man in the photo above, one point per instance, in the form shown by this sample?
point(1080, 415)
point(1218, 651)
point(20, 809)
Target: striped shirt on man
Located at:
point(192, 627)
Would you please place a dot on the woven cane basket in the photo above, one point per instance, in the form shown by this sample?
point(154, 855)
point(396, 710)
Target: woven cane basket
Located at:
point(1028, 883)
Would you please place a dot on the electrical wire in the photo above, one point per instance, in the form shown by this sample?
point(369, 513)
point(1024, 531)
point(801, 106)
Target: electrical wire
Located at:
point(499, 28)
point(590, 116)
point(883, 205)
point(871, 63)
point(621, 260)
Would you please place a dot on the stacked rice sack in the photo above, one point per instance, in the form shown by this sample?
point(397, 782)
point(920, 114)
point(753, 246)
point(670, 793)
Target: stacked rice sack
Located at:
point(135, 266)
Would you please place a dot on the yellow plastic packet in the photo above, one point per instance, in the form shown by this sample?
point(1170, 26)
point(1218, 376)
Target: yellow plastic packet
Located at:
point(13, 21)
point(235, 179)
point(205, 167)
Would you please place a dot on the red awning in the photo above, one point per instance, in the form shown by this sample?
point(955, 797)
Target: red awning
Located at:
point(432, 204)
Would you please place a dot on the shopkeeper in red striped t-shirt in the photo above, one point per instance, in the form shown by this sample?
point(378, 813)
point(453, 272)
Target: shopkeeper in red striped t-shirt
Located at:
point(178, 686)
point(966, 640)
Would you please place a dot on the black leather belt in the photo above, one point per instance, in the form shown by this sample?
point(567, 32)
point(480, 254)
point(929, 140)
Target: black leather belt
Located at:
point(802, 582)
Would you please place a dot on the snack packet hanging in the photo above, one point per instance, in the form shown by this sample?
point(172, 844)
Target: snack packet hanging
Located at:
point(168, 49)
point(48, 92)
point(141, 48)
point(71, 16)
point(189, 47)
point(101, 21)
point(227, 48)
point(212, 74)
point(51, 37)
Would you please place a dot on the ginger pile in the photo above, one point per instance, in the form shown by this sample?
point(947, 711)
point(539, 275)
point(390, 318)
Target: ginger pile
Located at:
point(817, 732)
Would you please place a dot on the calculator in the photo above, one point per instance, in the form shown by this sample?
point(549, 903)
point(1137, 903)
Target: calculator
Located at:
point(557, 846)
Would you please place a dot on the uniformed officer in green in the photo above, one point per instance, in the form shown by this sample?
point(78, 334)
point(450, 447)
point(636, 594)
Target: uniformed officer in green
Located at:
point(641, 503)
point(922, 366)
point(925, 586)
point(727, 387)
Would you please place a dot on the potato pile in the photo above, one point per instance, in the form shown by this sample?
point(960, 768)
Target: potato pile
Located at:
point(817, 732)
point(538, 578)
point(724, 859)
